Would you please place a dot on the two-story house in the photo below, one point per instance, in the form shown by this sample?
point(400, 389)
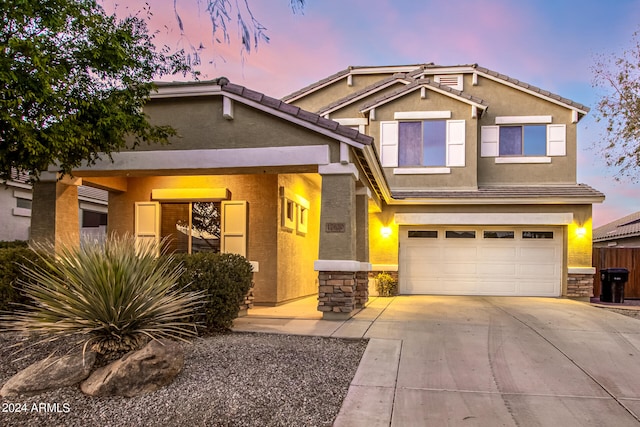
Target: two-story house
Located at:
point(457, 179)
point(476, 181)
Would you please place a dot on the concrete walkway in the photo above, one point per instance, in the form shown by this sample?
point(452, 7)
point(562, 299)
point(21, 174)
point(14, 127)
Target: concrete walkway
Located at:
point(479, 361)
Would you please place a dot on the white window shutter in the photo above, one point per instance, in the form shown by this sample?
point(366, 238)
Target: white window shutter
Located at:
point(556, 140)
point(147, 223)
point(234, 224)
point(389, 144)
point(456, 142)
point(489, 138)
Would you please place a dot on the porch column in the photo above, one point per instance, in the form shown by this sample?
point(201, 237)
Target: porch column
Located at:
point(54, 213)
point(338, 264)
point(363, 195)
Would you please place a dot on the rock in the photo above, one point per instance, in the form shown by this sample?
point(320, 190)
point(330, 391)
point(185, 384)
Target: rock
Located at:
point(139, 372)
point(50, 373)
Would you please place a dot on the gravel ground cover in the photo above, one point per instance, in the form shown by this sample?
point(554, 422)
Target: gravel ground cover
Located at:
point(236, 379)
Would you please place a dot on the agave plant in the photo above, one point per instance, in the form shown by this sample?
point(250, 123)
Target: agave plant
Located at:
point(111, 295)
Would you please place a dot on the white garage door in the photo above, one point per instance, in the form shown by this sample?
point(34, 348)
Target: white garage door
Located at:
point(458, 260)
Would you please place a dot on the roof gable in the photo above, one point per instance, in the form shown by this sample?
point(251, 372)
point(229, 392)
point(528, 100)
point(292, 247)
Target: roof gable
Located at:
point(272, 106)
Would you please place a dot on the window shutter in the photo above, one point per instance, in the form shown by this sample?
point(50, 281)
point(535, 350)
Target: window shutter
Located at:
point(389, 144)
point(233, 224)
point(490, 135)
point(147, 223)
point(455, 143)
point(556, 140)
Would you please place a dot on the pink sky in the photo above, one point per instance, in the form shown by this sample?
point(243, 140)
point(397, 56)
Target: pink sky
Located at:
point(548, 43)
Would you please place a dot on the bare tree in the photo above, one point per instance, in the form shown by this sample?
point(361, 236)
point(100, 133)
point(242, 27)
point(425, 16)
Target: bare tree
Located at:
point(619, 109)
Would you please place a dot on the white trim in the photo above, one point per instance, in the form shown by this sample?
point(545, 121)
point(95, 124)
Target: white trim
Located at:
point(351, 121)
point(190, 194)
point(384, 267)
point(255, 266)
point(339, 169)
point(21, 212)
point(350, 80)
point(363, 191)
point(452, 218)
point(574, 116)
point(215, 158)
point(19, 194)
point(186, 90)
point(523, 160)
point(344, 153)
point(517, 120)
point(227, 108)
point(421, 171)
point(340, 265)
point(418, 115)
point(93, 207)
point(582, 270)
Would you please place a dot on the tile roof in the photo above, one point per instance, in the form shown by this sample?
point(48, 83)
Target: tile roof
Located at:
point(431, 68)
point(577, 191)
point(417, 84)
point(628, 226)
point(380, 84)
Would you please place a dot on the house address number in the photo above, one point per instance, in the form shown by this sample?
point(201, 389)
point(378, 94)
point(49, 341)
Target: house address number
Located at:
point(335, 227)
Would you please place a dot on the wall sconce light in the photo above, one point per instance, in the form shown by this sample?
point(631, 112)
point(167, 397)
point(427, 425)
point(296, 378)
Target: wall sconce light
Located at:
point(581, 231)
point(385, 231)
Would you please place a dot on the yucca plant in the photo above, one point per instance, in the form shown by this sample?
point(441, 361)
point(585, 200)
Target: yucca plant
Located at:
point(110, 295)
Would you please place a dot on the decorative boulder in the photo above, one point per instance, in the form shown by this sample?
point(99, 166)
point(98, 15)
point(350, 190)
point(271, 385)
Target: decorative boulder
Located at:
point(139, 372)
point(50, 373)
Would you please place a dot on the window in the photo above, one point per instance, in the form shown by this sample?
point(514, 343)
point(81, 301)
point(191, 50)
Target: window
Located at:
point(23, 203)
point(538, 142)
point(499, 234)
point(93, 219)
point(423, 234)
point(537, 234)
point(523, 140)
point(460, 234)
point(422, 146)
point(191, 227)
point(422, 143)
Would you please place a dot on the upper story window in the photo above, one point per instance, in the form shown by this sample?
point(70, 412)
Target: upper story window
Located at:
point(422, 143)
point(529, 140)
point(523, 139)
point(422, 146)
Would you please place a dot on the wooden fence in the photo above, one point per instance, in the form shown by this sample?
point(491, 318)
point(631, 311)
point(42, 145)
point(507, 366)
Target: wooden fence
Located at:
point(628, 258)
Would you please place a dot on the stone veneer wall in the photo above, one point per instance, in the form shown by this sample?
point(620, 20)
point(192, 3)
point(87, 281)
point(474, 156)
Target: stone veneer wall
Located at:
point(362, 289)
point(337, 291)
point(580, 286)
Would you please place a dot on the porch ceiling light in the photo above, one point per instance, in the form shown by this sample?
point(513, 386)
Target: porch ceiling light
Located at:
point(385, 231)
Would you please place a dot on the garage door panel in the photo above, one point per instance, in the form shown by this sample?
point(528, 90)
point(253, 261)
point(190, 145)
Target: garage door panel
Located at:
point(483, 265)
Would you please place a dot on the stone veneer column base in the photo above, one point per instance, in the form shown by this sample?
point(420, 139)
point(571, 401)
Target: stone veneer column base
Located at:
point(362, 289)
point(337, 294)
point(579, 286)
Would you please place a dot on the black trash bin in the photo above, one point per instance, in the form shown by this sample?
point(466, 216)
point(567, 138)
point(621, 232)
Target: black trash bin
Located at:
point(612, 281)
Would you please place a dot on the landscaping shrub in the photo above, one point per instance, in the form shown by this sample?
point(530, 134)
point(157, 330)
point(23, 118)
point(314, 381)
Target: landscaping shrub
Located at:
point(386, 285)
point(225, 279)
point(111, 295)
point(12, 256)
point(14, 244)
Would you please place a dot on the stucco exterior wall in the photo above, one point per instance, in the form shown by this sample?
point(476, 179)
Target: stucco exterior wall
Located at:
point(200, 125)
point(507, 101)
point(460, 177)
point(261, 191)
point(297, 251)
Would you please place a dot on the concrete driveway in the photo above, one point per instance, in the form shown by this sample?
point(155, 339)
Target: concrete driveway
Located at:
point(485, 361)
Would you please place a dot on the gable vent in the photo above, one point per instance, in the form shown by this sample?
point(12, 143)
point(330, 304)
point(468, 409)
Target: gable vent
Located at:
point(454, 81)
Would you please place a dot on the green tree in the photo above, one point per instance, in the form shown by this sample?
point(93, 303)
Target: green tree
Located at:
point(619, 109)
point(73, 81)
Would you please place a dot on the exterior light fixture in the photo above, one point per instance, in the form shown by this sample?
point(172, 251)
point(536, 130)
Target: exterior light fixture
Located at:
point(385, 231)
point(581, 231)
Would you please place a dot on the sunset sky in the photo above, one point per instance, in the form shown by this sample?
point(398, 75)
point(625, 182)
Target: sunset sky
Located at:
point(552, 44)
